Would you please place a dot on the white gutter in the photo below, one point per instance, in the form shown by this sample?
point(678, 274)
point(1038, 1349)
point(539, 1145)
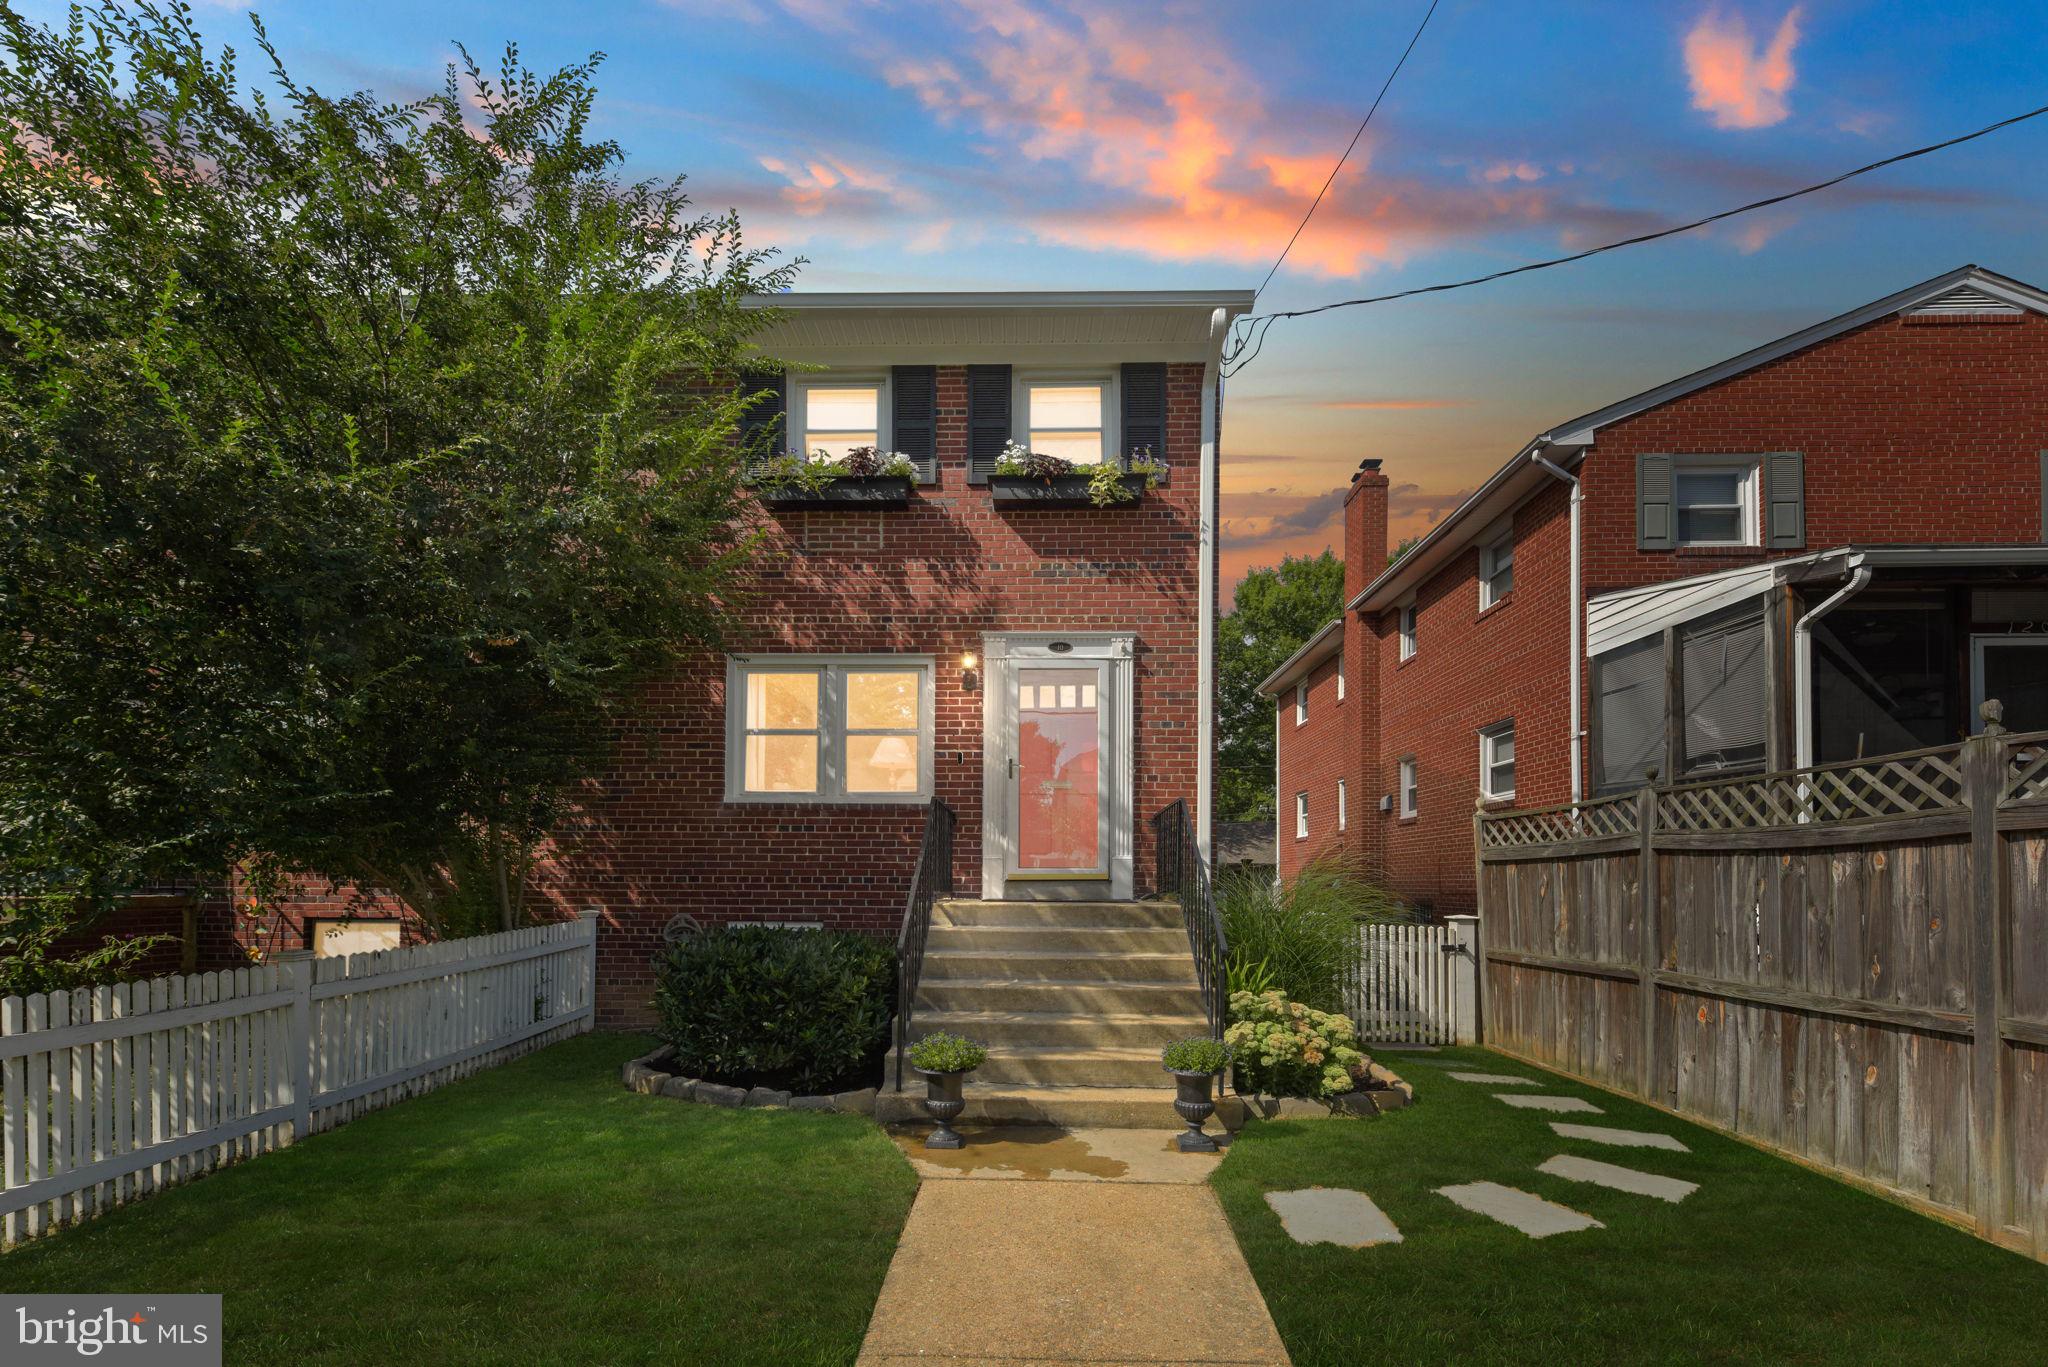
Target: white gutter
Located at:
point(1802, 663)
point(1205, 649)
point(1578, 611)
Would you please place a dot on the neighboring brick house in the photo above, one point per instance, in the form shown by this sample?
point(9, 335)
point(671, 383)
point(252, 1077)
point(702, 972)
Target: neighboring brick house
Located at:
point(1827, 547)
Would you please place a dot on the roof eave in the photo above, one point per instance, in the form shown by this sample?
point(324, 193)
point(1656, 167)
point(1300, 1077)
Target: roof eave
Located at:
point(1326, 642)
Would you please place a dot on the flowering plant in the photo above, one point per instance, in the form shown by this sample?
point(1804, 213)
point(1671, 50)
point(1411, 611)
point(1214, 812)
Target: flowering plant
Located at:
point(1283, 1048)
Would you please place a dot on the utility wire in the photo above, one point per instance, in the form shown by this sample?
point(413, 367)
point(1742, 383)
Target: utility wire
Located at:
point(1348, 149)
point(1250, 333)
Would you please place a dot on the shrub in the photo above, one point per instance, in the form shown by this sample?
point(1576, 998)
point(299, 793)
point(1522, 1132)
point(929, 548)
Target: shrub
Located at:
point(944, 1053)
point(1305, 933)
point(809, 1005)
point(1196, 1054)
point(1283, 1048)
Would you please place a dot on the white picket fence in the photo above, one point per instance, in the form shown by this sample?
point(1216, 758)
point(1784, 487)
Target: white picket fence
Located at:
point(114, 1092)
point(1416, 984)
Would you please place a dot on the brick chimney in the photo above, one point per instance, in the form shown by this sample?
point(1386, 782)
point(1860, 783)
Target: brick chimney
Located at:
point(1365, 528)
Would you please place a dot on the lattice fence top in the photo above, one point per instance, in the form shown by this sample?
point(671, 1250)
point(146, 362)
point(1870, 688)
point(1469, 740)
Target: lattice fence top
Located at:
point(1913, 784)
point(2026, 769)
point(1593, 819)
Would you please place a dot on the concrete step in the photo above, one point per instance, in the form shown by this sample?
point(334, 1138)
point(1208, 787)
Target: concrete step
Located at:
point(969, 912)
point(1060, 966)
point(1061, 939)
point(1068, 996)
point(1059, 1029)
point(1073, 1067)
point(1116, 1108)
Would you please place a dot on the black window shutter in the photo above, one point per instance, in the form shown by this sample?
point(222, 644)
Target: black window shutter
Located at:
point(988, 419)
point(1656, 518)
point(1784, 500)
point(914, 416)
point(1144, 403)
point(761, 426)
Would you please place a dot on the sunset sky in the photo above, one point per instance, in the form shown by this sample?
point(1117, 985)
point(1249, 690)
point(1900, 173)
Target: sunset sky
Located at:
point(1031, 144)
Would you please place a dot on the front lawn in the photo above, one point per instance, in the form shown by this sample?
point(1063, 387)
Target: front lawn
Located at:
point(533, 1213)
point(1767, 1262)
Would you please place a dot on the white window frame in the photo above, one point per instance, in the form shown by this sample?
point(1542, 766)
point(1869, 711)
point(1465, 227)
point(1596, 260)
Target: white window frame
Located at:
point(1409, 784)
point(1490, 738)
point(1343, 806)
point(1491, 556)
point(1405, 627)
point(1301, 702)
point(796, 422)
point(1749, 495)
point(1022, 380)
point(1301, 816)
point(1340, 673)
point(832, 728)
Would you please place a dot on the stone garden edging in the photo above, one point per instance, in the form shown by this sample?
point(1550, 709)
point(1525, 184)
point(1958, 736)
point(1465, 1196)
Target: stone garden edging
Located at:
point(645, 1075)
point(1390, 1093)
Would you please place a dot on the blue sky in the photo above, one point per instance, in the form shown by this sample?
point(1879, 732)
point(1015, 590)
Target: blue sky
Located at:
point(1058, 144)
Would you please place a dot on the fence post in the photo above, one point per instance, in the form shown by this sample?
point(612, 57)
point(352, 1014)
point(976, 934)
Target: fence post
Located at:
point(1464, 1022)
point(590, 917)
point(1983, 765)
point(298, 971)
point(1646, 949)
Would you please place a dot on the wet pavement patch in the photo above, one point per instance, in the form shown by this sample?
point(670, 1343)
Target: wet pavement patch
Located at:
point(1616, 1178)
point(1045, 1153)
point(1332, 1215)
point(1525, 1211)
point(1632, 1139)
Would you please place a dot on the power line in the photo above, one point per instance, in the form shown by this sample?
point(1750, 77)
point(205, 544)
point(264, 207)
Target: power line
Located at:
point(1348, 148)
point(1251, 331)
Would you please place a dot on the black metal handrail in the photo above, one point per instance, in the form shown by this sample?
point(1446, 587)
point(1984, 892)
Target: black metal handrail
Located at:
point(1184, 873)
point(931, 880)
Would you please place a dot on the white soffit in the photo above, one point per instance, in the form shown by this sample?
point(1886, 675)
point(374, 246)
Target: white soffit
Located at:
point(1009, 327)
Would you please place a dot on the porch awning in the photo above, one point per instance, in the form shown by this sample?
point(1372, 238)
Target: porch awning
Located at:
point(1616, 619)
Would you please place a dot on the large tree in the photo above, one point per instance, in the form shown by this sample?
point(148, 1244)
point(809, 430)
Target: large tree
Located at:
point(361, 459)
point(1277, 609)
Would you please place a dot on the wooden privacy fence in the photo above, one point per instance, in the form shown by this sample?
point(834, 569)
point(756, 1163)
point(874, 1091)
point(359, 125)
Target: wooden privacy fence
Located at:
point(114, 1092)
point(1415, 983)
point(1847, 963)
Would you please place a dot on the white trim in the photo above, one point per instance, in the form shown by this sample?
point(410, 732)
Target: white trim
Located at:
point(1490, 557)
point(1343, 806)
point(1002, 299)
point(831, 730)
point(1301, 702)
point(1340, 676)
point(1408, 786)
point(1407, 626)
point(798, 384)
point(1614, 620)
point(1490, 738)
point(1301, 816)
point(1746, 469)
point(1109, 378)
point(1205, 584)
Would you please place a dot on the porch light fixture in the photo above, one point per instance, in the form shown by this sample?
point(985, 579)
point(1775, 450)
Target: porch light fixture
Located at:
point(970, 679)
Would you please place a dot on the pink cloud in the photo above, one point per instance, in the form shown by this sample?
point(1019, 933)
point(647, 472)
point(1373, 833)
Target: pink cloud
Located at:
point(1731, 80)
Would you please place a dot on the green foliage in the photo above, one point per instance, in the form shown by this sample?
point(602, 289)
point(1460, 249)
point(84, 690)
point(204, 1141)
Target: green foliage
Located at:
point(1277, 610)
point(1106, 485)
point(362, 459)
point(944, 1053)
point(1284, 1048)
point(1301, 938)
point(29, 962)
point(809, 1004)
point(794, 473)
point(1195, 1054)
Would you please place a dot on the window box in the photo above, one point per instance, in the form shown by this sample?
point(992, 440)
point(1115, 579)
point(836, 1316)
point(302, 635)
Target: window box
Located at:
point(848, 491)
point(1060, 491)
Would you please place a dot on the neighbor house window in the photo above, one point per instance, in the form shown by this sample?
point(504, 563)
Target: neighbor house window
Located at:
point(1496, 571)
point(1408, 787)
point(1068, 418)
point(834, 414)
point(841, 729)
point(1301, 702)
point(1716, 502)
point(1301, 816)
point(1340, 676)
point(1497, 761)
point(1405, 624)
point(1343, 806)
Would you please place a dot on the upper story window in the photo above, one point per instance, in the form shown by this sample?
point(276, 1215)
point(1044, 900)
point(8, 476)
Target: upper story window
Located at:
point(1497, 761)
point(1343, 806)
point(1715, 502)
point(1067, 416)
point(835, 413)
point(1340, 674)
point(1301, 702)
point(829, 729)
point(1405, 624)
point(1496, 570)
point(1408, 786)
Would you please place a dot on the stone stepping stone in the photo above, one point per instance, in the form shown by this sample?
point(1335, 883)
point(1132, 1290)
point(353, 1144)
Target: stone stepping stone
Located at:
point(1531, 1214)
point(1494, 1079)
point(1618, 1178)
point(1549, 1103)
point(1332, 1215)
point(1631, 1139)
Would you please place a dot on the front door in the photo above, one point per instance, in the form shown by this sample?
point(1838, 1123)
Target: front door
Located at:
point(1059, 798)
point(2014, 670)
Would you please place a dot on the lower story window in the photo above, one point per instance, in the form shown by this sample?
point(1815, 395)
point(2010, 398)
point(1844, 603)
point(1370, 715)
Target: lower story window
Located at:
point(1408, 787)
point(1301, 816)
point(1497, 761)
point(829, 728)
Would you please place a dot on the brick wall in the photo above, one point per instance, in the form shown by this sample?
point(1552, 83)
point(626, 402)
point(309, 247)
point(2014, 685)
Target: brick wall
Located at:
point(1313, 756)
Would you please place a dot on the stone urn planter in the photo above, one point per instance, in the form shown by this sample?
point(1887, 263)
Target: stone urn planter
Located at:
point(1194, 1063)
point(943, 1102)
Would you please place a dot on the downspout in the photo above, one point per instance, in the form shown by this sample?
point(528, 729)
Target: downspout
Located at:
point(1578, 663)
point(1802, 665)
point(1205, 648)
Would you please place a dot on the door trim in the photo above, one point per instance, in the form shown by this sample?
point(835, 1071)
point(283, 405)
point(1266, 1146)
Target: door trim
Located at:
point(1001, 651)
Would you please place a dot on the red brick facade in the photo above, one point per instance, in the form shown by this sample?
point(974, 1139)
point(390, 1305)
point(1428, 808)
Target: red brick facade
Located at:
point(1914, 430)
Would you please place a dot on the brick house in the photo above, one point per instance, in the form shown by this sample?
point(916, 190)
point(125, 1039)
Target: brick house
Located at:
point(1826, 547)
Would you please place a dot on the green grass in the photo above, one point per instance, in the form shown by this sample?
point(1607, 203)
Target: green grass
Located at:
point(533, 1213)
point(1767, 1262)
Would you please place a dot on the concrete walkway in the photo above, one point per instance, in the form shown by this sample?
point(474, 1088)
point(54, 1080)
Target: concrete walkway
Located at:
point(1097, 1249)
